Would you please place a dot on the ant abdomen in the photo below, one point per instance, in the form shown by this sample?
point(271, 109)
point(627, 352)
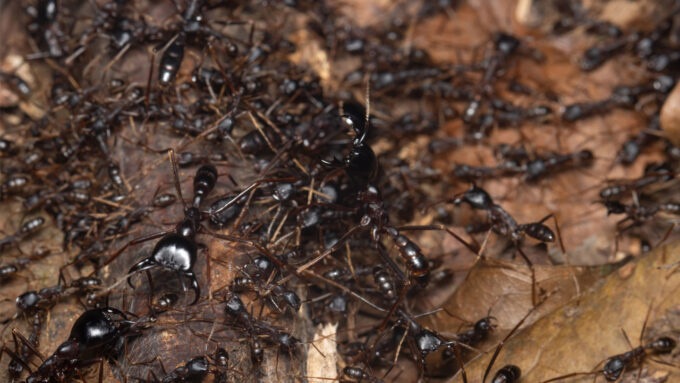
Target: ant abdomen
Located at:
point(204, 182)
point(540, 232)
point(507, 374)
point(663, 345)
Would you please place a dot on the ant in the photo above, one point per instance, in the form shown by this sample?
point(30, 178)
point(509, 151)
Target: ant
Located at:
point(11, 269)
point(655, 173)
point(192, 27)
point(597, 55)
point(615, 366)
point(14, 185)
point(503, 223)
point(637, 213)
point(256, 273)
point(235, 309)
point(479, 332)
point(631, 149)
point(177, 249)
point(45, 22)
point(552, 162)
point(16, 82)
point(36, 304)
point(96, 335)
point(196, 369)
point(358, 374)
point(29, 228)
point(500, 220)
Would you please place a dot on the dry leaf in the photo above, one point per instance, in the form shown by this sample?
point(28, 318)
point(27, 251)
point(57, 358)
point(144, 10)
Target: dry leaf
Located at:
point(582, 334)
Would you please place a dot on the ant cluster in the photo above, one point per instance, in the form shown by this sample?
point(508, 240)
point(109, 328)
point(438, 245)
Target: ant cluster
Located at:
point(303, 206)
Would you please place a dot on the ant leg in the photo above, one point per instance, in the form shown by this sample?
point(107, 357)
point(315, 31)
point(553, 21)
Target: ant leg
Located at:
point(252, 243)
point(101, 370)
point(133, 242)
point(460, 361)
point(567, 376)
point(173, 161)
point(644, 326)
point(444, 228)
point(27, 343)
point(533, 275)
point(151, 287)
point(511, 333)
point(154, 52)
point(668, 233)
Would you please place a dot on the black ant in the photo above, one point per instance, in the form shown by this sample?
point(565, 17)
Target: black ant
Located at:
point(597, 55)
point(14, 185)
point(620, 97)
point(196, 369)
point(357, 374)
point(16, 82)
point(192, 26)
point(657, 173)
point(502, 222)
point(11, 269)
point(29, 228)
point(45, 22)
point(235, 309)
point(36, 303)
point(96, 335)
point(617, 364)
point(255, 279)
point(551, 162)
point(177, 249)
point(637, 213)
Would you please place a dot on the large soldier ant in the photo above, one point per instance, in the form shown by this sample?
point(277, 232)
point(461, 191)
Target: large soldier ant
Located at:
point(177, 249)
point(96, 335)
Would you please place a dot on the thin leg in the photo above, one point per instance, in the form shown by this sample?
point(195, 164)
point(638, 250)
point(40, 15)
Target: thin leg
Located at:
point(533, 275)
point(511, 333)
point(444, 228)
point(27, 343)
point(148, 81)
point(175, 173)
point(460, 361)
point(135, 241)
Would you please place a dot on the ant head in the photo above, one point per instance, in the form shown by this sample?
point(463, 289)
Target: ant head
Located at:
point(613, 369)
point(353, 115)
point(485, 325)
point(27, 300)
point(197, 367)
point(505, 43)
point(614, 207)
point(476, 197)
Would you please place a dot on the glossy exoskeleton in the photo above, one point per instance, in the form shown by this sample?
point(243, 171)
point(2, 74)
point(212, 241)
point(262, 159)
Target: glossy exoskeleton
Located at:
point(361, 164)
point(96, 334)
point(177, 250)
